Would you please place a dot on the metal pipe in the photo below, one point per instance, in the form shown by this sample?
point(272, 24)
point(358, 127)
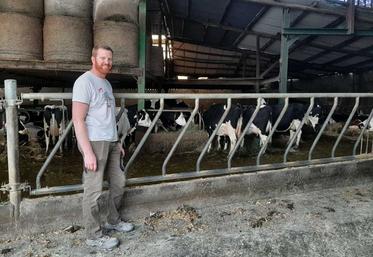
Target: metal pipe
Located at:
point(229, 105)
point(242, 136)
point(10, 87)
point(362, 133)
point(357, 99)
point(44, 96)
point(282, 113)
point(204, 173)
point(323, 128)
point(312, 100)
point(142, 51)
point(164, 166)
point(52, 153)
point(146, 135)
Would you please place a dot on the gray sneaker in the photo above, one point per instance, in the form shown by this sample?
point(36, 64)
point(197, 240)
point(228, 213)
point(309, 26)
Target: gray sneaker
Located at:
point(104, 242)
point(121, 226)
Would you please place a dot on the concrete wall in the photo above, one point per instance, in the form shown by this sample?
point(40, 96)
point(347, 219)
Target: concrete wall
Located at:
point(46, 213)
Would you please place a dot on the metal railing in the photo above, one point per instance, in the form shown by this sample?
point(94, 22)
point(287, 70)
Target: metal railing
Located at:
point(228, 98)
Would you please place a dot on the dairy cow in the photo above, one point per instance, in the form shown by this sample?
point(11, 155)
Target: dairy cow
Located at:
point(293, 118)
point(261, 125)
point(55, 121)
point(230, 126)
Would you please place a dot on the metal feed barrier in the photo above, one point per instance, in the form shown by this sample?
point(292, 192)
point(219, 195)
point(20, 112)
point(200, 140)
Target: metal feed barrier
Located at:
point(197, 173)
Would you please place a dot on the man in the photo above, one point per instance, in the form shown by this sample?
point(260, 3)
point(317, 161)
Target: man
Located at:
point(93, 112)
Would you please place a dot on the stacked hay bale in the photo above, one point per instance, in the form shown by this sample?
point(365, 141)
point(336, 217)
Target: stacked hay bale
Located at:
point(67, 30)
point(21, 29)
point(116, 25)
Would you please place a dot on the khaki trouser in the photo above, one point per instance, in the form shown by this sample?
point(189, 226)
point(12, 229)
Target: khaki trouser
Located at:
point(108, 163)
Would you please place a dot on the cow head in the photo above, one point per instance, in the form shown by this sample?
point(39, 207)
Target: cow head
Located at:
point(181, 120)
point(143, 119)
point(314, 116)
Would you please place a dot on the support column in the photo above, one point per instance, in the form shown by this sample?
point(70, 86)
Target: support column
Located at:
point(10, 86)
point(257, 85)
point(142, 51)
point(284, 58)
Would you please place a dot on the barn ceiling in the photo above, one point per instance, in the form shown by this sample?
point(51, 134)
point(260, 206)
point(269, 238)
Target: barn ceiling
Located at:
point(221, 37)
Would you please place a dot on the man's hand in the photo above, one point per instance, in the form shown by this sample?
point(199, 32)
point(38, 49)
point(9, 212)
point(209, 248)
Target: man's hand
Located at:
point(90, 162)
point(122, 152)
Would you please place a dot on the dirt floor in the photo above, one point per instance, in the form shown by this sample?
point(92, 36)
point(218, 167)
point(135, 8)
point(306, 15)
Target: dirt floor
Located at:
point(333, 222)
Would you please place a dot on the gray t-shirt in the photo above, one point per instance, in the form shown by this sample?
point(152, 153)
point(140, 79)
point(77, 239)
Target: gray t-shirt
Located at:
point(98, 94)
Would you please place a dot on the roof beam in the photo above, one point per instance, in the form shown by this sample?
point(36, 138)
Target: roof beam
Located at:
point(363, 63)
point(228, 3)
point(337, 47)
point(348, 56)
point(251, 24)
point(292, 24)
point(224, 27)
point(206, 53)
point(309, 39)
point(363, 15)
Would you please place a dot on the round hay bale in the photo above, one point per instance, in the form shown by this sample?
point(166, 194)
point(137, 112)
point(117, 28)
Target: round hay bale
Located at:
point(122, 37)
point(67, 39)
point(74, 8)
point(116, 10)
point(23, 7)
point(21, 37)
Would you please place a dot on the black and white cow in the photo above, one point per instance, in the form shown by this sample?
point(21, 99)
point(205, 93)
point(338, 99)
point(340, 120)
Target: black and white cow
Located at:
point(55, 121)
point(230, 126)
point(169, 120)
point(293, 118)
point(261, 125)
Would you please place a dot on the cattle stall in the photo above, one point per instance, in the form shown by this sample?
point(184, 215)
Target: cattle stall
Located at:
point(360, 148)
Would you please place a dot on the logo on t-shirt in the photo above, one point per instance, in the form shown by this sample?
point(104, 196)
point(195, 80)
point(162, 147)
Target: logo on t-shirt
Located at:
point(100, 90)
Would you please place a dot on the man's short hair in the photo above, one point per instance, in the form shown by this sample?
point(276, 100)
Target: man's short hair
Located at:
point(95, 48)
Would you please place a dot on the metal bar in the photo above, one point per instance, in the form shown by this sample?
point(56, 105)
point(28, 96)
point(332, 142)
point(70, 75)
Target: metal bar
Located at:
point(142, 51)
point(146, 135)
point(243, 133)
point(191, 118)
point(257, 68)
point(10, 88)
point(273, 65)
point(52, 153)
point(264, 146)
point(345, 126)
point(229, 105)
point(45, 96)
point(312, 100)
point(284, 59)
point(323, 128)
point(326, 32)
point(204, 173)
point(350, 17)
point(362, 133)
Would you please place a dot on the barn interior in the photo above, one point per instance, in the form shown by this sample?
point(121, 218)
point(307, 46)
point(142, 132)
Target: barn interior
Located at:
point(236, 46)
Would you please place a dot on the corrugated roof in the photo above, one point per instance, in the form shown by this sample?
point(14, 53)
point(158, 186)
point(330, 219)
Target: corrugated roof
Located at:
point(207, 26)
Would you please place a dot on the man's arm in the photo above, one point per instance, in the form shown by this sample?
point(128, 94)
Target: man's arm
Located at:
point(79, 113)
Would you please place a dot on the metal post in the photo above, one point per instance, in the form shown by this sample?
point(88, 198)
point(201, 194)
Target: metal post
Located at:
point(257, 86)
point(12, 146)
point(284, 58)
point(142, 51)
